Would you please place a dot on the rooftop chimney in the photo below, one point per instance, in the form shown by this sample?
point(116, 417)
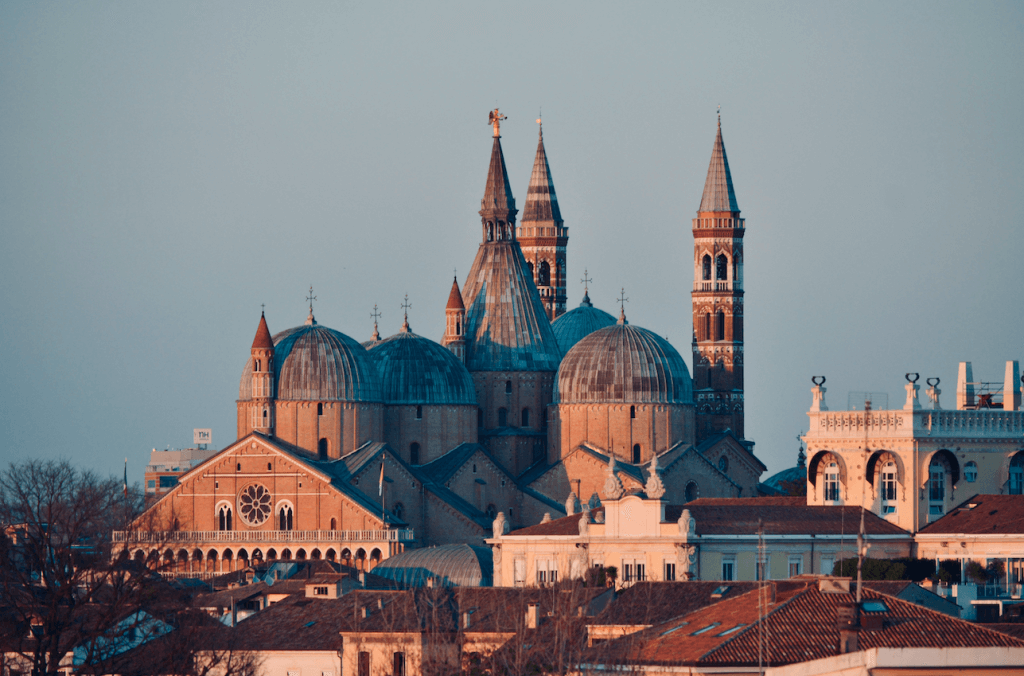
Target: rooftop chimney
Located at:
point(848, 624)
point(532, 616)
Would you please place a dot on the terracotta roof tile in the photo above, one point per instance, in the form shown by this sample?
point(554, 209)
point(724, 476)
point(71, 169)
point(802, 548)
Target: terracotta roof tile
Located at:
point(982, 515)
point(783, 515)
point(262, 341)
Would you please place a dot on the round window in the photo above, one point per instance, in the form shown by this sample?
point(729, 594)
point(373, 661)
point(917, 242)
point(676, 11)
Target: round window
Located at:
point(254, 504)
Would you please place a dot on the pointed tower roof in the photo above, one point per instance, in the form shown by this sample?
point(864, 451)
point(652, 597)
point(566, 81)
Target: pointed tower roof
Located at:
point(498, 200)
point(718, 192)
point(455, 297)
point(262, 341)
point(541, 202)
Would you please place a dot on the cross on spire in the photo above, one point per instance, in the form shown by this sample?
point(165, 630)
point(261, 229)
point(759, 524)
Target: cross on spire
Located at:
point(622, 305)
point(405, 306)
point(310, 298)
point(586, 282)
point(376, 315)
point(263, 307)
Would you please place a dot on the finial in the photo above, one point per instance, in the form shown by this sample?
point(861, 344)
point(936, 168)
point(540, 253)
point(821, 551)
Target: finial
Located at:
point(376, 315)
point(540, 125)
point(310, 298)
point(586, 290)
point(622, 307)
point(263, 309)
point(405, 306)
point(719, 115)
point(494, 119)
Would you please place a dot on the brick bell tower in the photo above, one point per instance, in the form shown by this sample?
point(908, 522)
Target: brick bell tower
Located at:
point(542, 235)
point(718, 302)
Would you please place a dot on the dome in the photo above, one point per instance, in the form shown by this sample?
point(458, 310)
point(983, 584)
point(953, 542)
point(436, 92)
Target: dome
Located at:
point(454, 565)
point(416, 370)
point(623, 364)
point(315, 363)
point(579, 322)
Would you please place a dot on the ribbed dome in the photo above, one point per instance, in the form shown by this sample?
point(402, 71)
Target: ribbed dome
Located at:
point(416, 370)
point(623, 364)
point(578, 323)
point(448, 565)
point(315, 363)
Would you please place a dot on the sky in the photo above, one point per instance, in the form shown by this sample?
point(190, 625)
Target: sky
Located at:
point(168, 168)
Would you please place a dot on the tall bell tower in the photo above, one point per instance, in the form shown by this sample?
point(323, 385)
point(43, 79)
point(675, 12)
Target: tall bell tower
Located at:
point(718, 302)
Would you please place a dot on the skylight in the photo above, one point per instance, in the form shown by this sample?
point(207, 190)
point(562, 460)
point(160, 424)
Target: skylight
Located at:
point(729, 631)
point(309, 624)
point(678, 626)
point(705, 629)
point(874, 607)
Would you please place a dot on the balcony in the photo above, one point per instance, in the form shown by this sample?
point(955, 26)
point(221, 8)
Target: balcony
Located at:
point(252, 536)
point(716, 286)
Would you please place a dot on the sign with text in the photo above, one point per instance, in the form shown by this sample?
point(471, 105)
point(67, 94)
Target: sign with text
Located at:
point(202, 436)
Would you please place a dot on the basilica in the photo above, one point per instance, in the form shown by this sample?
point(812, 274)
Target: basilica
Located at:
point(354, 451)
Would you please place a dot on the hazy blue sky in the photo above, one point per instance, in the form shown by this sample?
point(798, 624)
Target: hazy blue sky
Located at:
point(165, 168)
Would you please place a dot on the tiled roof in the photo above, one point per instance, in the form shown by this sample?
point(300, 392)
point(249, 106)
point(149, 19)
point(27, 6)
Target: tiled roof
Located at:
point(781, 516)
point(416, 370)
point(982, 515)
point(541, 201)
point(497, 191)
point(455, 297)
point(566, 525)
point(571, 327)
point(718, 191)
point(262, 339)
point(801, 625)
point(623, 364)
point(506, 326)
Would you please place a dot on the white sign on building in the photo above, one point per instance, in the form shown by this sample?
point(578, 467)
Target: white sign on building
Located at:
point(202, 436)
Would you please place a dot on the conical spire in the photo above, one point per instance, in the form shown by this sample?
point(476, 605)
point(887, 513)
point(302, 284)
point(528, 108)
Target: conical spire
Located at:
point(718, 192)
point(263, 341)
point(498, 202)
point(541, 202)
point(455, 297)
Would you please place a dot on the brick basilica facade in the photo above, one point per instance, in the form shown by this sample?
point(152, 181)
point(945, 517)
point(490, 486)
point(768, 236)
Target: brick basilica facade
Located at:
point(353, 451)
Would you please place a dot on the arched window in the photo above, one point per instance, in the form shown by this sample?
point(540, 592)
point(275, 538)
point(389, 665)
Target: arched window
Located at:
point(632, 411)
point(937, 487)
point(502, 417)
point(692, 492)
point(492, 512)
point(888, 488)
point(321, 448)
point(706, 265)
point(319, 409)
point(398, 510)
point(458, 328)
point(419, 413)
point(720, 326)
point(526, 418)
point(414, 453)
point(636, 454)
point(490, 232)
point(707, 326)
point(971, 472)
point(224, 518)
point(530, 265)
point(284, 518)
point(1016, 483)
point(257, 365)
point(723, 464)
point(508, 387)
point(544, 276)
point(334, 523)
point(721, 268)
point(831, 487)
point(266, 418)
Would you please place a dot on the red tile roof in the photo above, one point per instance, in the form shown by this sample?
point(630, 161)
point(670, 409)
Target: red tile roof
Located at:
point(800, 625)
point(982, 515)
point(455, 297)
point(566, 525)
point(262, 341)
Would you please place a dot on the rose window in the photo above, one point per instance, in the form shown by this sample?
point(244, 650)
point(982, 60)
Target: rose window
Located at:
point(254, 504)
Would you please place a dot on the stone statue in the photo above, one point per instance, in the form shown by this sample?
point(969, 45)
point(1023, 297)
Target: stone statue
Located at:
point(687, 559)
point(500, 526)
point(655, 489)
point(572, 504)
point(613, 489)
point(585, 524)
point(687, 524)
point(546, 517)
